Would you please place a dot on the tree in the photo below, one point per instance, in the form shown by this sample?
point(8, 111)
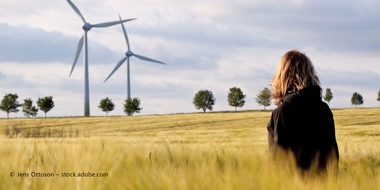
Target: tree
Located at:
point(263, 98)
point(204, 100)
point(132, 106)
point(28, 108)
point(45, 104)
point(357, 99)
point(10, 104)
point(106, 105)
point(236, 97)
point(328, 96)
point(378, 96)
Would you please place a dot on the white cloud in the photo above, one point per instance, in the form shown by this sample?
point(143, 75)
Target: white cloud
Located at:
point(211, 45)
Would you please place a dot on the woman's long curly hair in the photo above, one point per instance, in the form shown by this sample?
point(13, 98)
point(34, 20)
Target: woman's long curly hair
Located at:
point(294, 72)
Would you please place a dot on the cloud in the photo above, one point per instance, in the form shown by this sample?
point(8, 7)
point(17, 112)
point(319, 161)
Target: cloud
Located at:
point(31, 45)
point(337, 25)
point(2, 76)
point(212, 45)
point(365, 80)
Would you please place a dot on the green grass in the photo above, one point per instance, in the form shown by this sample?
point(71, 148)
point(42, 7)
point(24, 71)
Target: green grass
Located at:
point(184, 151)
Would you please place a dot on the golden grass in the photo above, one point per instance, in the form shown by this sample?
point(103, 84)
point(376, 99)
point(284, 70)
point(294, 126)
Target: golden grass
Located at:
point(184, 151)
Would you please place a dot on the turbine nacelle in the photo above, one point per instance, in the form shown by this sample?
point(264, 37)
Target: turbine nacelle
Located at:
point(87, 26)
point(129, 53)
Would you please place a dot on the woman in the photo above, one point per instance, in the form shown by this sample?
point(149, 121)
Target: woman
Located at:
point(302, 126)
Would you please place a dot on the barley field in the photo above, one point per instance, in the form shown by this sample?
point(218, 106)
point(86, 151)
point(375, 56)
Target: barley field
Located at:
point(179, 151)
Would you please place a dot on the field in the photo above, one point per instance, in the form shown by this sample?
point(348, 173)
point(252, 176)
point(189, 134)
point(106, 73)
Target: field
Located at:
point(180, 151)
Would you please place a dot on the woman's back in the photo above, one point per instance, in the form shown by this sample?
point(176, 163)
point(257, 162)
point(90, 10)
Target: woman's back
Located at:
point(302, 124)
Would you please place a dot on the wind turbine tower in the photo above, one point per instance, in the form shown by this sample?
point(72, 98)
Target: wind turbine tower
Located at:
point(87, 27)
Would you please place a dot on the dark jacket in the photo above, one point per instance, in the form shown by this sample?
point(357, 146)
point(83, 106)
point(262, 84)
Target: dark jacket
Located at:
point(304, 125)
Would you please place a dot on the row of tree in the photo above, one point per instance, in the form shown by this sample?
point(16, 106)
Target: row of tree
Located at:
point(205, 100)
point(10, 104)
point(356, 99)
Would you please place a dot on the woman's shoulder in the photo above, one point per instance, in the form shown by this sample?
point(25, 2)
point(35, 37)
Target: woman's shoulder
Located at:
point(326, 107)
point(283, 108)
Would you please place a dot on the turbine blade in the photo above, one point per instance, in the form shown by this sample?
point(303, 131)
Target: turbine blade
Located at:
point(79, 49)
point(107, 24)
point(125, 34)
point(148, 59)
point(76, 10)
point(117, 67)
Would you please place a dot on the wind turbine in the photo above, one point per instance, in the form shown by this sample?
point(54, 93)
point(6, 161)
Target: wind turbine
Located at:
point(87, 27)
point(129, 54)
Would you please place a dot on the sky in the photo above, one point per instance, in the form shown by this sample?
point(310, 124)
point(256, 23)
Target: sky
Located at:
point(207, 45)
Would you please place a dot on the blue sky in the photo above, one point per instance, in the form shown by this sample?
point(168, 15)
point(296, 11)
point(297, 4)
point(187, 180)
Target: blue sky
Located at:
point(214, 45)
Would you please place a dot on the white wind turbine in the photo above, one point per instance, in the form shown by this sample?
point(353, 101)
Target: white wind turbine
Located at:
point(129, 54)
point(87, 27)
